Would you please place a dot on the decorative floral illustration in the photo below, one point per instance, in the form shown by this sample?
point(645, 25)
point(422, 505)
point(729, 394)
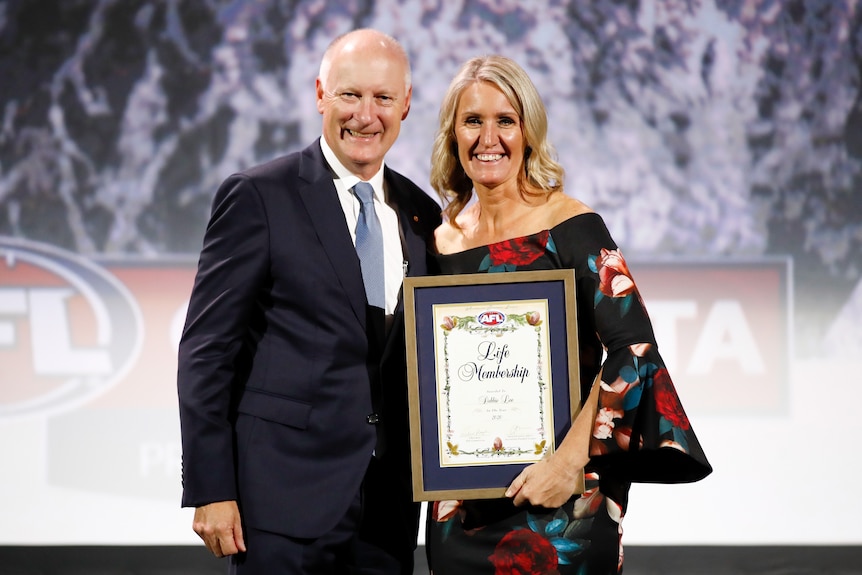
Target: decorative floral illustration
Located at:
point(445, 510)
point(519, 251)
point(604, 426)
point(547, 540)
point(471, 324)
point(621, 398)
point(638, 410)
point(615, 279)
point(588, 504)
point(444, 513)
point(509, 255)
point(568, 531)
point(667, 401)
point(449, 323)
point(524, 552)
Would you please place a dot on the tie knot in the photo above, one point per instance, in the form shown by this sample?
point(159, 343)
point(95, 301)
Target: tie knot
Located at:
point(364, 191)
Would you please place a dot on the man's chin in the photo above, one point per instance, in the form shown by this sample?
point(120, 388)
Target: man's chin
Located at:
point(365, 157)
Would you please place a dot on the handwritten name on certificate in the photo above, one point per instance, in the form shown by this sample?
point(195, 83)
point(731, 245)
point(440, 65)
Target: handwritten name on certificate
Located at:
point(493, 378)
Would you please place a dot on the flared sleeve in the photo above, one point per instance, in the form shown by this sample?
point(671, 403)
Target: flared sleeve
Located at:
point(641, 432)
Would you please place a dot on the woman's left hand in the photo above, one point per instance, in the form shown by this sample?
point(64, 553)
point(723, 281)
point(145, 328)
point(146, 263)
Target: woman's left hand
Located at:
point(553, 480)
point(547, 483)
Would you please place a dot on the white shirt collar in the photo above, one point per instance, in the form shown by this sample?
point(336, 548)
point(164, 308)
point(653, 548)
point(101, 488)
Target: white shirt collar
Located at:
point(348, 178)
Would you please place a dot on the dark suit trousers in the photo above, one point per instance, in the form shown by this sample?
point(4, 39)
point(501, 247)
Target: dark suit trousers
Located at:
point(337, 552)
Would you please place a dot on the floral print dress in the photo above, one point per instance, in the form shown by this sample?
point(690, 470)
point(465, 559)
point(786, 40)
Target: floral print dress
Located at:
point(641, 432)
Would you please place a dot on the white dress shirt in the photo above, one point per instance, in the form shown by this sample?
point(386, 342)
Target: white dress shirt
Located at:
point(393, 254)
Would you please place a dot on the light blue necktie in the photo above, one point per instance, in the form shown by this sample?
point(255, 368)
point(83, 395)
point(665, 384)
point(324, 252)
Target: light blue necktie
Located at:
point(369, 245)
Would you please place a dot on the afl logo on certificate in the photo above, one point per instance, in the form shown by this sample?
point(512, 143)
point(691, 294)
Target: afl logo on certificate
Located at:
point(491, 318)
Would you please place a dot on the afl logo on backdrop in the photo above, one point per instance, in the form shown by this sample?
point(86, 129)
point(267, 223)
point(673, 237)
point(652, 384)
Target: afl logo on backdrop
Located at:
point(69, 330)
point(491, 318)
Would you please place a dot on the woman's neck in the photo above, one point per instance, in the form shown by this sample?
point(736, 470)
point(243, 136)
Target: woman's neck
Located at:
point(502, 214)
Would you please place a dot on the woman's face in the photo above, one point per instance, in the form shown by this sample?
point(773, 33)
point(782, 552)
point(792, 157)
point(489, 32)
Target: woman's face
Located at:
point(489, 136)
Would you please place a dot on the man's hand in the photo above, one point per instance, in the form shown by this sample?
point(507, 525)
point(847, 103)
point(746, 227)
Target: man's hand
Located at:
point(219, 525)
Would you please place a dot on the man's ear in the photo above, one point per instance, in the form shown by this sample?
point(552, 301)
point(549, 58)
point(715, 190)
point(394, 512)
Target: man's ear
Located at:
point(407, 104)
point(318, 86)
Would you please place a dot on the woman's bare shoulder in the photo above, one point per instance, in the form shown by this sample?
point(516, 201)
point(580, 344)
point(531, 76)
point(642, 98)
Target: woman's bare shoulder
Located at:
point(447, 238)
point(450, 238)
point(562, 207)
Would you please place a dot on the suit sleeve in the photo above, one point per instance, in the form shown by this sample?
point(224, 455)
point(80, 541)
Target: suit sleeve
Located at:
point(231, 272)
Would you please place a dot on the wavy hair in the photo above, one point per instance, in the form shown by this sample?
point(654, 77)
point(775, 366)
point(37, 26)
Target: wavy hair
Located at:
point(541, 172)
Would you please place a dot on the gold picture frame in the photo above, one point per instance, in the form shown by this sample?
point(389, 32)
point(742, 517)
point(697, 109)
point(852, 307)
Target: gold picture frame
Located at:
point(493, 377)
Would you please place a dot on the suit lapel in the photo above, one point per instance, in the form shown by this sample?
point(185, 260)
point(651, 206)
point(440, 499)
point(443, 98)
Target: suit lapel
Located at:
point(414, 244)
point(416, 252)
point(324, 210)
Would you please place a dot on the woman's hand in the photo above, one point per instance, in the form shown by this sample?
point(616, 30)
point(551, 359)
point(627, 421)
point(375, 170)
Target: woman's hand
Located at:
point(553, 480)
point(547, 483)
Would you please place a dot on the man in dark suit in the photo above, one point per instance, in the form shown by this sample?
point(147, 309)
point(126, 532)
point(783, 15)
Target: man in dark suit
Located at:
point(292, 386)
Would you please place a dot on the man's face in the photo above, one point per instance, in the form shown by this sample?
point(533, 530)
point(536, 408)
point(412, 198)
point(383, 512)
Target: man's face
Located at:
point(363, 101)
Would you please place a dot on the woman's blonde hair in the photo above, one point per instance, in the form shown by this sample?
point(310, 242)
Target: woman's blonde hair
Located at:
point(541, 173)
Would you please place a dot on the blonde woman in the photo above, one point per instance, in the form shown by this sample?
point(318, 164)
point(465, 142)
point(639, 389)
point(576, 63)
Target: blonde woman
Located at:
point(492, 142)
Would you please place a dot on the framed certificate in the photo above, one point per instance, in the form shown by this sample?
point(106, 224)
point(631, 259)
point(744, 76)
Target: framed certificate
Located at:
point(493, 377)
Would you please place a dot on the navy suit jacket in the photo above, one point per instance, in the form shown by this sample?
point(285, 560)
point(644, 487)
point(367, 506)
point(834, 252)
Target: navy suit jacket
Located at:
point(278, 357)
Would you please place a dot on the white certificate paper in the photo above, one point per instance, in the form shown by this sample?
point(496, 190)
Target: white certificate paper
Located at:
point(493, 382)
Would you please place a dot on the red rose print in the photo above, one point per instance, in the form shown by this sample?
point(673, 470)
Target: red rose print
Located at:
point(524, 552)
point(667, 401)
point(615, 279)
point(519, 251)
